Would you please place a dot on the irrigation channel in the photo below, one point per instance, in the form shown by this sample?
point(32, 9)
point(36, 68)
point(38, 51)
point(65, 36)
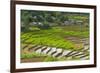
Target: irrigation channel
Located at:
point(82, 54)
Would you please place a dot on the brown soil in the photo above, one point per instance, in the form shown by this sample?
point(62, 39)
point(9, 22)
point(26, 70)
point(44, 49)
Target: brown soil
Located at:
point(76, 40)
point(38, 59)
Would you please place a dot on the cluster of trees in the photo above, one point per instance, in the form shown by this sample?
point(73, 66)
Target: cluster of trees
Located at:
point(46, 19)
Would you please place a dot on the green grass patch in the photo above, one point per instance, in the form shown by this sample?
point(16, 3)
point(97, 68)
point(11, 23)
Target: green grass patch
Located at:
point(31, 55)
point(49, 58)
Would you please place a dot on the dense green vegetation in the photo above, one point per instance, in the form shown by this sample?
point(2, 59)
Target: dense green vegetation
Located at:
point(46, 19)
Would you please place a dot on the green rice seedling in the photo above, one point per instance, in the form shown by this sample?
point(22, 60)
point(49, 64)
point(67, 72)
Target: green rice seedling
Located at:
point(54, 37)
point(50, 58)
point(31, 55)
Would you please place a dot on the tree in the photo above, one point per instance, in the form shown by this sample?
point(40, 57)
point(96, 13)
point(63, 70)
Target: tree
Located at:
point(26, 18)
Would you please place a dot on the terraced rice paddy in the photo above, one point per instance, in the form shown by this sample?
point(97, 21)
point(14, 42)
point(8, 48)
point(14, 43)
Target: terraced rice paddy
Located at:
point(56, 44)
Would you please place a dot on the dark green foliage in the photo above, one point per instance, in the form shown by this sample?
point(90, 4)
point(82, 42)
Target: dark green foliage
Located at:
point(47, 19)
point(45, 26)
point(26, 18)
